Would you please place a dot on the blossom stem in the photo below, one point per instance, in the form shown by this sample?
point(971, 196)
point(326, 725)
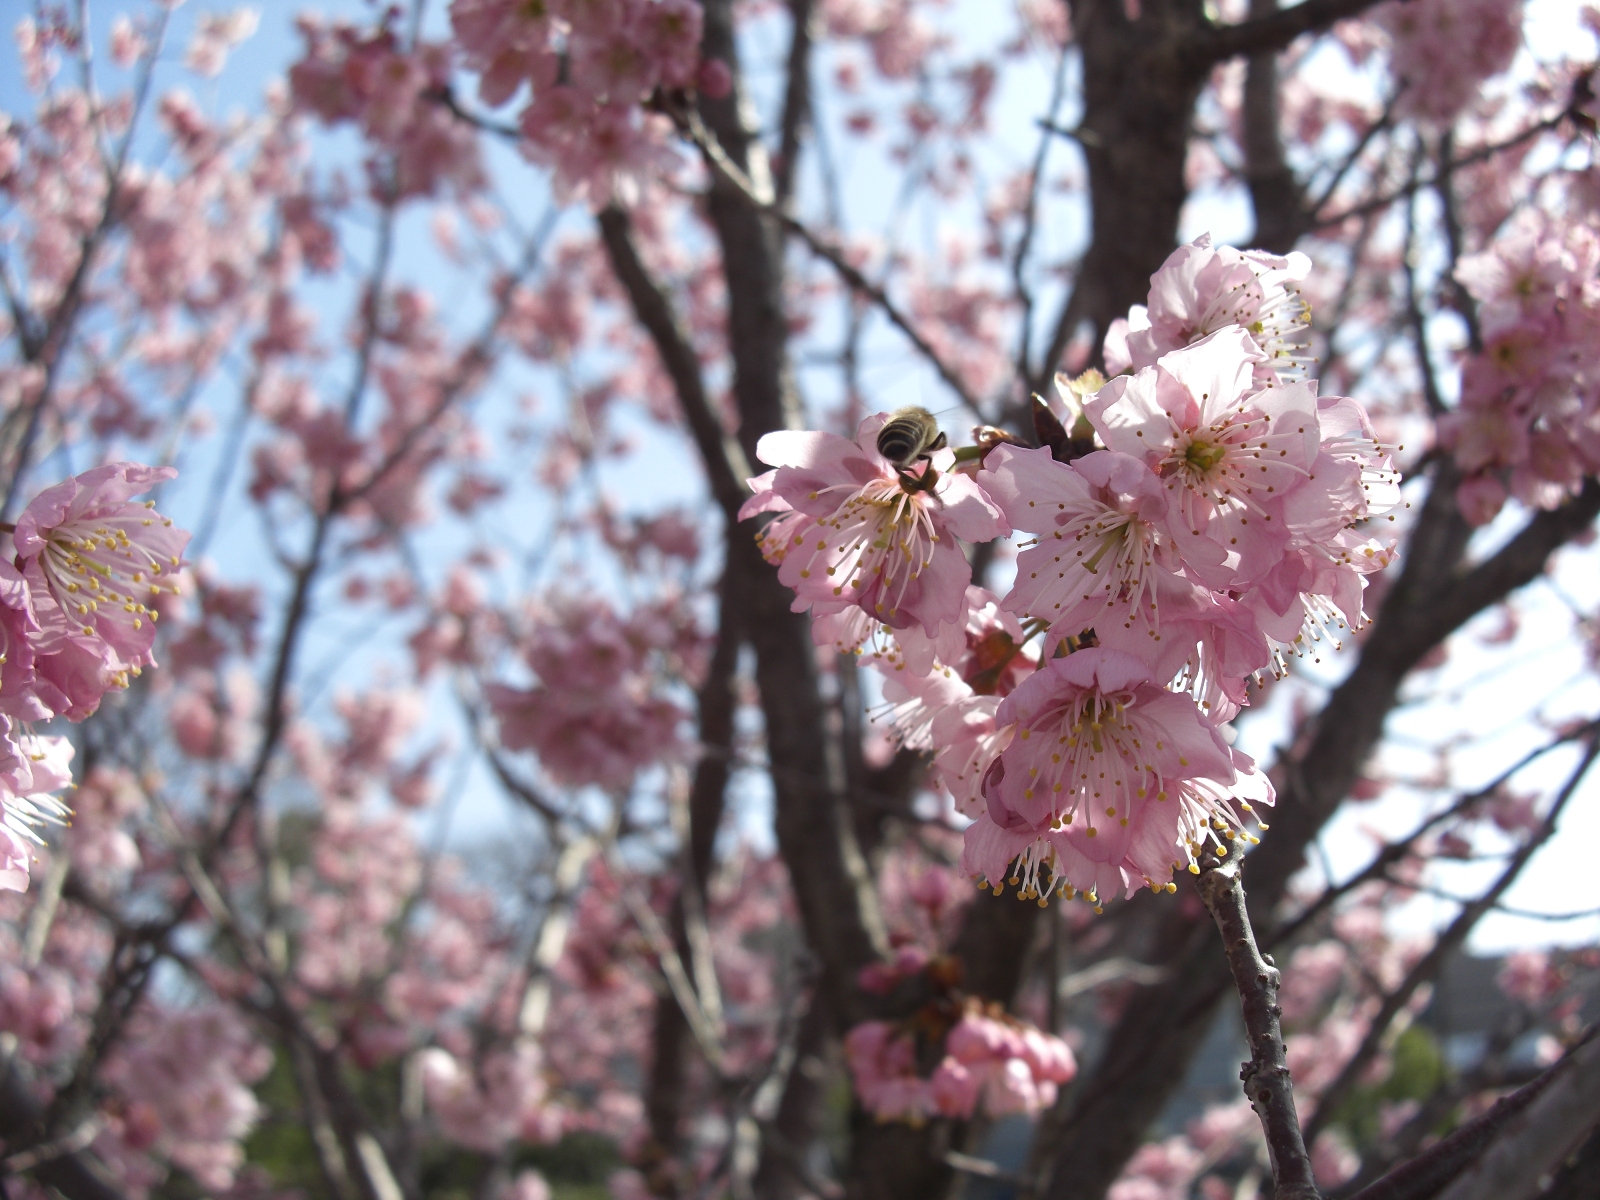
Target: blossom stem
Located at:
point(1266, 1076)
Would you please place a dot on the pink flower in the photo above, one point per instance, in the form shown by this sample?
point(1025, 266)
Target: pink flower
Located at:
point(15, 856)
point(1162, 1170)
point(882, 1064)
point(1312, 979)
point(1209, 815)
point(191, 1069)
point(1017, 1065)
point(1528, 423)
point(1529, 977)
point(596, 715)
point(1085, 791)
point(215, 35)
point(1105, 539)
point(1316, 587)
point(1009, 1066)
point(1228, 454)
point(954, 1088)
point(19, 696)
point(949, 709)
point(1094, 731)
point(127, 44)
point(1443, 50)
point(1333, 1159)
point(852, 532)
point(486, 1108)
point(1527, 271)
point(967, 738)
point(92, 560)
point(1201, 290)
point(30, 769)
point(506, 41)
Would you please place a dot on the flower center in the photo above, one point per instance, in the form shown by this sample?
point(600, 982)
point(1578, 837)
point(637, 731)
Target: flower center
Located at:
point(1204, 455)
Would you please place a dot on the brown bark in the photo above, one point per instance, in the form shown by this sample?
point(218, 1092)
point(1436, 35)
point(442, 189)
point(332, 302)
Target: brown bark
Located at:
point(671, 1040)
point(1274, 190)
point(794, 1126)
point(1139, 90)
point(1431, 1173)
point(77, 1174)
point(1266, 1076)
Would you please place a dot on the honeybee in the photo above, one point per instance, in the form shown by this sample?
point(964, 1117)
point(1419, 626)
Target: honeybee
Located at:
point(908, 437)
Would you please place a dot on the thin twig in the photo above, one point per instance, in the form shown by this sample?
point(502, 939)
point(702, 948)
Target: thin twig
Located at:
point(1414, 315)
point(1481, 154)
point(1382, 123)
point(1533, 1142)
point(705, 1032)
point(724, 460)
point(551, 940)
point(1030, 216)
point(1453, 936)
point(1423, 1177)
point(79, 1139)
point(1216, 43)
point(726, 169)
point(1266, 1076)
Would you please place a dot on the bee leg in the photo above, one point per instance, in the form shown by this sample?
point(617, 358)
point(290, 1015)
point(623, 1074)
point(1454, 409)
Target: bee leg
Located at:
point(918, 483)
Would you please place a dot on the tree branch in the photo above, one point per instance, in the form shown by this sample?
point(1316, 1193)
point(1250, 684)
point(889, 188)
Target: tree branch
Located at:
point(1161, 1025)
point(1520, 561)
point(724, 461)
point(696, 819)
point(1272, 32)
point(746, 189)
point(1453, 936)
point(76, 1174)
point(1275, 193)
point(1266, 1076)
point(796, 100)
point(1030, 217)
point(1393, 852)
point(1425, 1176)
point(1481, 154)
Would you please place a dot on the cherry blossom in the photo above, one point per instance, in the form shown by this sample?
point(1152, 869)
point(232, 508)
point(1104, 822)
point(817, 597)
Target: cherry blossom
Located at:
point(186, 1077)
point(31, 768)
point(1201, 290)
point(1228, 453)
point(450, 837)
point(994, 1062)
point(1087, 779)
point(1106, 535)
point(1442, 51)
point(597, 715)
point(853, 532)
point(1525, 426)
point(95, 563)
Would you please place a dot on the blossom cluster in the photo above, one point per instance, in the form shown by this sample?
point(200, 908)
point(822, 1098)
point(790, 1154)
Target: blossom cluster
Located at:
point(1221, 522)
point(596, 714)
point(391, 91)
point(78, 610)
point(589, 67)
point(1009, 1066)
point(187, 1076)
point(1442, 50)
point(1528, 421)
point(953, 1053)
